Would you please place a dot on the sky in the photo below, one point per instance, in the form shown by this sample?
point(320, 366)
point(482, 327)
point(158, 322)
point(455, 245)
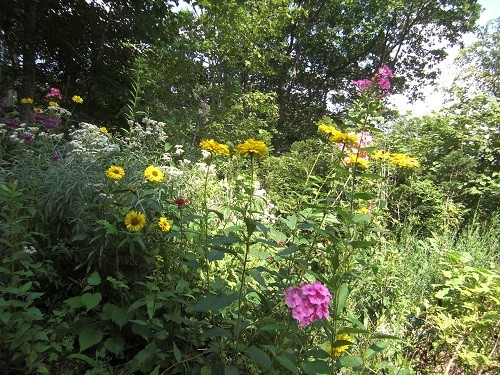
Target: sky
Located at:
point(434, 98)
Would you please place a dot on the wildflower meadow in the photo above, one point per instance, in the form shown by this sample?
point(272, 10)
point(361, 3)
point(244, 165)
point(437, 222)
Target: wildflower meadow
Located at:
point(184, 245)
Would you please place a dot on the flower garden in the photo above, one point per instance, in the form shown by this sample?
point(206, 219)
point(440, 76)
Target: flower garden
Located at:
point(127, 251)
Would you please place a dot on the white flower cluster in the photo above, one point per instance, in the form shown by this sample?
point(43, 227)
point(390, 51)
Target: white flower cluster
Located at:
point(150, 133)
point(88, 141)
point(58, 112)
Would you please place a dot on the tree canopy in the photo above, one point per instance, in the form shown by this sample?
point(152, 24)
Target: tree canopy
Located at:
point(297, 56)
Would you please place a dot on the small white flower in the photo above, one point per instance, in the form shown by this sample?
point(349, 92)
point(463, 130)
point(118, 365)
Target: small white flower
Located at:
point(205, 154)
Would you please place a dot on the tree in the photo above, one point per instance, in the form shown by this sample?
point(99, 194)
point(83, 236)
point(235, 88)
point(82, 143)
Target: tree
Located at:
point(480, 62)
point(306, 52)
point(84, 47)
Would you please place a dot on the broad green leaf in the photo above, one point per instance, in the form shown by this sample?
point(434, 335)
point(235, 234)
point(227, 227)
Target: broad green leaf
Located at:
point(91, 300)
point(316, 367)
point(259, 356)
point(206, 370)
point(289, 250)
point(350, 361)
point(215, 303)
point(89, 336)
point(215, 255)
point(442, 293)
point(115, 344)
point(222, 240)
point(156, 371)
point(287, 363)
point(343, 293)
point(364, 196)
point(94, 279)
point(257, 277)
point(361, 218)
point(374, 349)
point(177, 353)
point(353, 330)
point(230, 370)
point(74, 302)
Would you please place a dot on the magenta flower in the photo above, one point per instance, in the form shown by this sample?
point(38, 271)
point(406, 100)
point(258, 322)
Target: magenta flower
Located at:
point(308, 302)
point(363, 84)
point(53, 94)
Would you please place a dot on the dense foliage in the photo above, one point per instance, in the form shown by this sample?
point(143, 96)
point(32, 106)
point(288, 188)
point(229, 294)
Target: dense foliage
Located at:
point(197, 235)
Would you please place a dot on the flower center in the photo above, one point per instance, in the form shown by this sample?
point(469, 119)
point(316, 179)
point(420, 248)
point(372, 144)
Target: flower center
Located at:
point(134, 221)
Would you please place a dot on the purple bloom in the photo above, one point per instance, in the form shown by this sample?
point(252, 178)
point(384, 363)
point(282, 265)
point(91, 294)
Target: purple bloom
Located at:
point(11, 123)
point(27, 137)
point(308, 302)
point(56, 156)
point(47, 122)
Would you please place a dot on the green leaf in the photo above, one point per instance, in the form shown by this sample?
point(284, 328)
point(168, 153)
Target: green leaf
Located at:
point(156, 371)
point(259, 356)
point(361, 218)
point(206, 370)
point(287, 363)
point(257, 277)
point(91, 300)
point(442, 293)
point(289, 250)
point(316, 367)
point(374, 349)
point(215, 255)
point(350, 361)
point(177, 353)
point(94, 279)
point(352, 330)
point(362, 244)
point(74, 302)
point(230, 370)
point(343, 293)
point(115, 344)
point(364, 196)
point(215, 303)
point(89, 336)
point(222, 240)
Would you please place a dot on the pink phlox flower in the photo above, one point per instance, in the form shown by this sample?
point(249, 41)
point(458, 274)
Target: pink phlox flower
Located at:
point(363, 84)
point(53, 93)
point(308, 302)
point(383, 83)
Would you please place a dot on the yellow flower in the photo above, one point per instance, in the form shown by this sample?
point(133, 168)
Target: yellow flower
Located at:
point(135, 221)
point(337, 351)
point(364, 210)
point(104, 130)
point(326, 129)
point(403, 161)
point(77, 99)
point(159, 258)
point(163, 224)
point(26, 101)
point(345, 138)
point(381, 155)
point(115, 173)
point(53, 104)
point(252, 147)
point(214, 147)
point(38, 110)
point(355, 160)
point(153, 174)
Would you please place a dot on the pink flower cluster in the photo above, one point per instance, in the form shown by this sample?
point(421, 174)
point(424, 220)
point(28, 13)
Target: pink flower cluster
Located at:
point(53, 94)
point(381, 79)
point(308, 302)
